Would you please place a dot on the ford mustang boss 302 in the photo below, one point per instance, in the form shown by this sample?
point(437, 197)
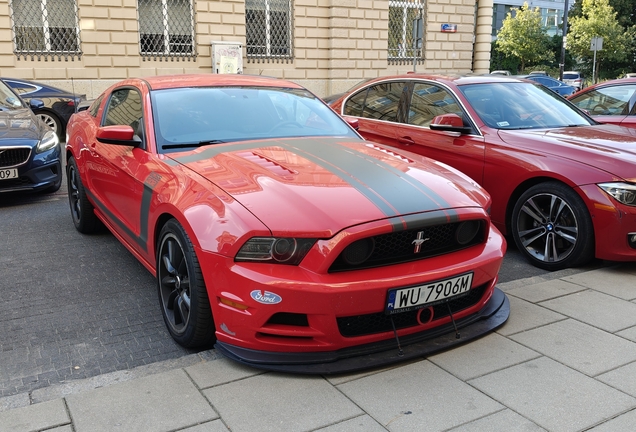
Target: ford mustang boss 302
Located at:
point(276, 233)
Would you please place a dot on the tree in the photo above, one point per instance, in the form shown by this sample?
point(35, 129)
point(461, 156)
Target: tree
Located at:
point(597, 18)
point(523, 37)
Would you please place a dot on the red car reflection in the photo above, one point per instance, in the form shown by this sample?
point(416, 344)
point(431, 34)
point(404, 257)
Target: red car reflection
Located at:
point(277, 232)
point(563, 186)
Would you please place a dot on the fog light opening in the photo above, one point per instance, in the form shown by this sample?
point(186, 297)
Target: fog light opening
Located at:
point(631, 240)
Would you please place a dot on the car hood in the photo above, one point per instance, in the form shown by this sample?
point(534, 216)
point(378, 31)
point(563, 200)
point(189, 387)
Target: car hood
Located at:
point(324, 185)
point(611, 148)
point(19, 124)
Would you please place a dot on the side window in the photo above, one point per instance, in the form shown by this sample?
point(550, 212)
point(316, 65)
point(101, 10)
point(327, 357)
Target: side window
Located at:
point(429, 101)
point(94, 108)
point(355, 104)
point(383, 101)
point(606, 101)
point(124, 108)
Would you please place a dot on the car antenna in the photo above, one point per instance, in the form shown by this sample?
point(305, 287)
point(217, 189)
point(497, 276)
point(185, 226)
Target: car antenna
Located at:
point(75, 104)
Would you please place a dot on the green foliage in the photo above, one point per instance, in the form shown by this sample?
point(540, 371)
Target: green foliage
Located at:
point(523, 37)
point(597, 18)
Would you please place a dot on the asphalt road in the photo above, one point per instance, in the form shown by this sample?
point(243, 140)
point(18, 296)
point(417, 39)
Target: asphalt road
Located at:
point(74, 306)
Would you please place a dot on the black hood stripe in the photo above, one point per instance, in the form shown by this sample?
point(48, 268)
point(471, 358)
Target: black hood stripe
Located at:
point(389, 186)
point(394, 192)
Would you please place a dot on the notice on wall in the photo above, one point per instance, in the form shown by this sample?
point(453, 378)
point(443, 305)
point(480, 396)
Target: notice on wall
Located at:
point(227, 57)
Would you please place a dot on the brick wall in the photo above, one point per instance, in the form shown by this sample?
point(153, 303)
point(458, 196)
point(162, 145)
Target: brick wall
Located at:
point(336, 44)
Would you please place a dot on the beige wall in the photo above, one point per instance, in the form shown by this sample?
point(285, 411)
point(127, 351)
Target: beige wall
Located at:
point(336, 44)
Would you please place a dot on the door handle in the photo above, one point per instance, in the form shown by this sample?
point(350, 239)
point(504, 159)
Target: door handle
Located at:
point(406, 140)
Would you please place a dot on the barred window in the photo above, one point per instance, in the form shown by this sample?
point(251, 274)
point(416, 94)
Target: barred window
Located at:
point(401, 16)
point(268, 28)
point(45, 28)
point(166, 29)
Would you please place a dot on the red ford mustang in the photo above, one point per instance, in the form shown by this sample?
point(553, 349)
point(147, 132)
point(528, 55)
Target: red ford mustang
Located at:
point(562, 185)
point(277, 232)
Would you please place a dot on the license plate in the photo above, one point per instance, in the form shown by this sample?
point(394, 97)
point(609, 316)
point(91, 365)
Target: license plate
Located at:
point(416, 297)
point(8, 173)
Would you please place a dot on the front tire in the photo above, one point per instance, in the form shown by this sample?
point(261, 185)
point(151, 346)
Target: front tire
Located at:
point(182, 292)
point(552, 227)
point(82, 211)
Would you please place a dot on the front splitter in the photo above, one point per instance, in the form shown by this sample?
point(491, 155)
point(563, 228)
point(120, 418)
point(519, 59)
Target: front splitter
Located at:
point(379, 354)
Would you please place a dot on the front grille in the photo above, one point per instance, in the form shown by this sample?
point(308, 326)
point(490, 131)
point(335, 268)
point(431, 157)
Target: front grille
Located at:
point(11, 157)
point(398, 247)
point(361, 325)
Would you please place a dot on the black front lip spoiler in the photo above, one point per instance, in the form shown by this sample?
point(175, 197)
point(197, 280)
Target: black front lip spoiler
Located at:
point(493, 315)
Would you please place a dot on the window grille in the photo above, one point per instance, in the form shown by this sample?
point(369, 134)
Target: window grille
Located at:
point(45, 28)
point(166, 29)
point(401, 16)
point(268, 28)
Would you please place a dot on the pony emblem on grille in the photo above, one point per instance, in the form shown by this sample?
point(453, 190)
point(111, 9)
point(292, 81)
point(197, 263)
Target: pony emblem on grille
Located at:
point(418, 241)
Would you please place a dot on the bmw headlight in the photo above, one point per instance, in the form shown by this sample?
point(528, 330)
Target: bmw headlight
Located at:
point(282, 250)
point(624, 193)
point(48, 141)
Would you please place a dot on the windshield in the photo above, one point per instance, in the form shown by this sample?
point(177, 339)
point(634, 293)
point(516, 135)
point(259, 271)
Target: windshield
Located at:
point(8, 99)
point(519, 105)
point(192, 117)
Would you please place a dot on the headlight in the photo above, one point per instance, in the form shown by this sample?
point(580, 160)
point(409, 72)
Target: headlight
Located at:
point(282, 250)
point(624, 193)
point(48, 141)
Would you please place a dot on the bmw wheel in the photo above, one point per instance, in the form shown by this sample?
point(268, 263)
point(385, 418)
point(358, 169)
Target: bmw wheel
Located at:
point(552, 227)
point(82, 210)
point(182, 292)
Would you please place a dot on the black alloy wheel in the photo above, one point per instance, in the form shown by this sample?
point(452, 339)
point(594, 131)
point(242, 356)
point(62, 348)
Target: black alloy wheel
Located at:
point(552, 227)
point(182, 292)
point(82, 211)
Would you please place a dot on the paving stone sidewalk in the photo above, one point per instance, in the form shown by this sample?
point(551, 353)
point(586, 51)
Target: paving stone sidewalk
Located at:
point(564, 361)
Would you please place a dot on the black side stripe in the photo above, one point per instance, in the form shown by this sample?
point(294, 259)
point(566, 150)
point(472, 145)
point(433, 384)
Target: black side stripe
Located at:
point(116, 221)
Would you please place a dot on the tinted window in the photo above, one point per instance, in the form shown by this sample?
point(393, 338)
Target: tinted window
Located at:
point(124, 108)
point(612, 100)
point(429, 101)
point(22, 88)
point(382, 102)
point(92, 110)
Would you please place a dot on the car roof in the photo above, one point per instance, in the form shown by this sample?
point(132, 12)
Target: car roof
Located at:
point(207, 80)
point(446, 79)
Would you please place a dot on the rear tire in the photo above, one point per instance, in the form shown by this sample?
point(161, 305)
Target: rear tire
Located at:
point(82, 211)
point(182, 293)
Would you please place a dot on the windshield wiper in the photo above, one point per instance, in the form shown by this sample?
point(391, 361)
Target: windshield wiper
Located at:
point(188, 145)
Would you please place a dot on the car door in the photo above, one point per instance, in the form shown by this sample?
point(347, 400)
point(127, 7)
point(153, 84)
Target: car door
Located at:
point(462, 151)
point(117, 172)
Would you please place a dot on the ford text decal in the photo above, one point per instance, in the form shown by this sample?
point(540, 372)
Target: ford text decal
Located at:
point(266, 297)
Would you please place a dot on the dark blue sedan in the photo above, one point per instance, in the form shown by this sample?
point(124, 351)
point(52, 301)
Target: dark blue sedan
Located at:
point(29, 150)
point(553, 84)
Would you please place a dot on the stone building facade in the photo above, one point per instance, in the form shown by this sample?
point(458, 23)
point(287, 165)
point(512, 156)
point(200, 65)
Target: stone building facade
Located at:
point(325, 45)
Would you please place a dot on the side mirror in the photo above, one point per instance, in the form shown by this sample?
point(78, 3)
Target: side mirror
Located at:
point(118, 135)
point(353, 122)
point(35, 104)
point(449, 123)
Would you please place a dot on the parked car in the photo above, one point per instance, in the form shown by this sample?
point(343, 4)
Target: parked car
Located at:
point(275, 230)
point(29, 150)
point(611, 102)
point(562, 185)
point(553, 84)
point(59, 104)
point(574, 78)
point(500, 72)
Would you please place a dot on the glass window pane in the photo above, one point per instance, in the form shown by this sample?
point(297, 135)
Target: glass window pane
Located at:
point(383, 101)
point(429, 101)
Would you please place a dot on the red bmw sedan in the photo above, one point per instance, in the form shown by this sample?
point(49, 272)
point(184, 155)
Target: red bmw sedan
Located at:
point(563, 186)
point(276, 232)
